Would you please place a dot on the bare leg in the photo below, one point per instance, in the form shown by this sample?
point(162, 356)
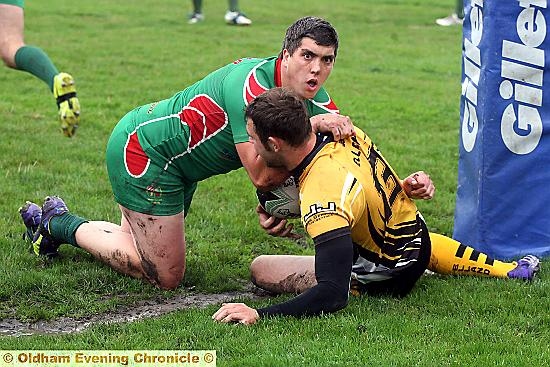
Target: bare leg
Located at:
point(143, 246)
point(11, 32)
point(283, 273)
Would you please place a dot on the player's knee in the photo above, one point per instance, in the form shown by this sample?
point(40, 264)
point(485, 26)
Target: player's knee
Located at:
point(7, 54)
point(257, 270)
point(164, 278)
point(7, 60)
point(170, 282)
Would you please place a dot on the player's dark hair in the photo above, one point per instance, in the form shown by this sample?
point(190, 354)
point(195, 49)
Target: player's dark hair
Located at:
point(319, 30)
point(279, 113)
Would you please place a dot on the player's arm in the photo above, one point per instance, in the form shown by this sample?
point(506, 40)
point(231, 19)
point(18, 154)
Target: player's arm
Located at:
point(339, 126)
point(333, 263)
point(263, 177)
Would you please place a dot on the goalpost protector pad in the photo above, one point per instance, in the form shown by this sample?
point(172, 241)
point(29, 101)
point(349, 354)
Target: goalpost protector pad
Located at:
point(503, 194)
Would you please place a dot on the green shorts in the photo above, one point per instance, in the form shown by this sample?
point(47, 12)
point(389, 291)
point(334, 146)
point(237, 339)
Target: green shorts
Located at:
point(19, 3)
point(156, 190)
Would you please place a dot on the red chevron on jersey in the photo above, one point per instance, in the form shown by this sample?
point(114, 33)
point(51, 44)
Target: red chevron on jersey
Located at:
point(329, 105)
point(252, 87)
point(135, 158)
point(204, 117)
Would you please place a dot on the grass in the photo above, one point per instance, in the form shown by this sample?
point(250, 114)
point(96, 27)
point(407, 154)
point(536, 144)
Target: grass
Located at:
point(397, 75)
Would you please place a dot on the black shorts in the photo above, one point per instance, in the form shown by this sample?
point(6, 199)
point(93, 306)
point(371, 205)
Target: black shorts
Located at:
point(372, 279)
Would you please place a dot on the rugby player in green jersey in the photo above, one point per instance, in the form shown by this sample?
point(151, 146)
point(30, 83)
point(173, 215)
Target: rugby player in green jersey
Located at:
point(369, 236)
point(158, 152)
point(17, 55)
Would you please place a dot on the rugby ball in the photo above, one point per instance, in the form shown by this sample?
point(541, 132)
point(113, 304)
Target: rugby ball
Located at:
point(283, 201)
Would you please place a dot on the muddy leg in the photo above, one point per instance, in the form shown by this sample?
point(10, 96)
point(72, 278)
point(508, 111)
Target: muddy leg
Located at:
point(144, 246)
point(283, 273)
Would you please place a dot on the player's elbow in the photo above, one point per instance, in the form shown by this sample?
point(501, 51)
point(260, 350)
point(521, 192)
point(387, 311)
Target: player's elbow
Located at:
point(339, 302)
point(336, 299)
point(267, 179)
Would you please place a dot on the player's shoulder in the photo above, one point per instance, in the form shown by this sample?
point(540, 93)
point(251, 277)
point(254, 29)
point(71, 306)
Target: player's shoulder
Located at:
point(323, 102)
point(256, 76)
point(248, 64)
point(324, 166)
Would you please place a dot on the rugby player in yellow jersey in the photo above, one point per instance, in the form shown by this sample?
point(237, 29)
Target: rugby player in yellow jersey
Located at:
point(369, 235)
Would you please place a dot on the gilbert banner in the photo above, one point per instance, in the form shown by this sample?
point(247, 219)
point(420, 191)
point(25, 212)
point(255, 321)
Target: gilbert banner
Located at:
point(503, 195)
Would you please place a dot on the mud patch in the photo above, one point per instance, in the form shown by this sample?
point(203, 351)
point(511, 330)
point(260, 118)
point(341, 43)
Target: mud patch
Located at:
point(140, 310)
point(294, 283)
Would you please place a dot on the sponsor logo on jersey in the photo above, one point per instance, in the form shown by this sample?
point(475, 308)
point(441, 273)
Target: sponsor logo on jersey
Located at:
point(152, 107)
point(318, 209)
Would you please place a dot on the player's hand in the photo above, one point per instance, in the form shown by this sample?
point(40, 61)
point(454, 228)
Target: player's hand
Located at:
point(419, 185)
point(236, 312)
point(274, 226)
point(339, 126)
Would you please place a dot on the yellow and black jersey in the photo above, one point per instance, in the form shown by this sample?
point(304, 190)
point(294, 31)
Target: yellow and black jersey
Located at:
point(349, 185)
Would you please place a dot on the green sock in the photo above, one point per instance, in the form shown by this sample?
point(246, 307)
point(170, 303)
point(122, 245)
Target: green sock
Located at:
point(35, 61)
point(234, 5)
point(197, 6)
point(460, 9)
point(63, 227)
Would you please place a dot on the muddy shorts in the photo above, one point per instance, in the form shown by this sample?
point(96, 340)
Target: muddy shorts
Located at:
point(158, 190)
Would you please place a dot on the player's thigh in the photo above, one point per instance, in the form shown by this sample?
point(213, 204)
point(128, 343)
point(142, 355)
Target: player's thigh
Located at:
point(11, 32)
point(159, 241)
point(283, 273)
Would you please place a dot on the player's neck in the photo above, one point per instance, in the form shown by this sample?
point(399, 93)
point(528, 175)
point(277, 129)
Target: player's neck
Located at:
point(297, 154)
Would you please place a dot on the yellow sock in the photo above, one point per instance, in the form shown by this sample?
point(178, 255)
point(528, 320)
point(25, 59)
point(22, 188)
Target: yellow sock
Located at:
point(452, 257)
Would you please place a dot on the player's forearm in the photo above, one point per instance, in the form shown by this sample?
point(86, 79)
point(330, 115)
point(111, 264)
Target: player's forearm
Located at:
point(333, 262)
point(322, 298)
point(265, 178)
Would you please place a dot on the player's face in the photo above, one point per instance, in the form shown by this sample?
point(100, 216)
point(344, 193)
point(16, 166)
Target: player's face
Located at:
point(271, 158)
point(307, 69)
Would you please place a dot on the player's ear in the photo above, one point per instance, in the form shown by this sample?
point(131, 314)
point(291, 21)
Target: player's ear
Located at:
point(286, 56)
point(274, 144)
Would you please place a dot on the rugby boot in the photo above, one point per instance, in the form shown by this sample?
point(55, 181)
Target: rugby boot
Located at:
point(64, 91)
point(526, 269)
point(32, 216)
point(236, 18)
point(43, 243)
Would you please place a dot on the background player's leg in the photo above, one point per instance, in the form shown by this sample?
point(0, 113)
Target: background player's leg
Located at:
point(15, 53)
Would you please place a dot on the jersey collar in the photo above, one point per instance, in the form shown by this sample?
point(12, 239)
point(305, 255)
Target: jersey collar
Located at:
point(278, 72)
point(320, 142)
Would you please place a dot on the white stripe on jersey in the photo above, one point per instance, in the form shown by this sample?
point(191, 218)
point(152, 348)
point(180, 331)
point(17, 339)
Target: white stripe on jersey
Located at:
point(345, 188)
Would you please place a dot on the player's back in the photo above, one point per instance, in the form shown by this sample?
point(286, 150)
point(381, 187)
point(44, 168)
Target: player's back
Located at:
point(353, 178)
point(197, 139)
